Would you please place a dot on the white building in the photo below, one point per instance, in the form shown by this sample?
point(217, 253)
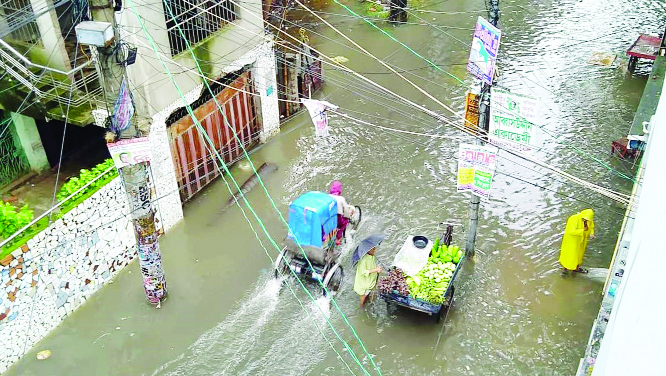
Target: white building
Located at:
point(628, 335)
point(228, 41)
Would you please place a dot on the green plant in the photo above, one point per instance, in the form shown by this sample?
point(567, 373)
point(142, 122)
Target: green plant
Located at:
point(84, 178)
point(13, 219)
point(375, 10)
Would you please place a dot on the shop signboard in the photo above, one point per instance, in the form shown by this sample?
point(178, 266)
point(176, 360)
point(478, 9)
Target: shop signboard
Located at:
point(483, 55)
point(476, 169)
point(512, 120)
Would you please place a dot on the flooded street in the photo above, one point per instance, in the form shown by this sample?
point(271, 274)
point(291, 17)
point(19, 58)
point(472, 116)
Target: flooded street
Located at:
point(514, 314)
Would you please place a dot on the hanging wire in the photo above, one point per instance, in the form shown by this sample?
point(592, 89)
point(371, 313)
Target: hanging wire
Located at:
point(224, 165)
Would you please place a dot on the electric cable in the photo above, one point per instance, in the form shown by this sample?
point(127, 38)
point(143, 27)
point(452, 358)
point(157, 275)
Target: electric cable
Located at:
point(602, 163)
point(300, 42)
point(205, 135)
point(55, 188)
point(611, 194)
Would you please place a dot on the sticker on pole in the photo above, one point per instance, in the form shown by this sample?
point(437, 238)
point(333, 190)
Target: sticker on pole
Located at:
point(476, 169)
point(472, 112)
point(512, 120)
point(129, 152)
point(483, 55)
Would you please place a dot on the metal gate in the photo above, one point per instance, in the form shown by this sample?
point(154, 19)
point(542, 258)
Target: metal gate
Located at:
point(193, 160)
point(13, 162)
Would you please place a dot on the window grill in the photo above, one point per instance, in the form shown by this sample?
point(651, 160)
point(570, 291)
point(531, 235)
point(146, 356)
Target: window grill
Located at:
point(197, 19)
point(17, 22)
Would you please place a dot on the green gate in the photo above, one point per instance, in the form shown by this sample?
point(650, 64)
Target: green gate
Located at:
point(13, 162)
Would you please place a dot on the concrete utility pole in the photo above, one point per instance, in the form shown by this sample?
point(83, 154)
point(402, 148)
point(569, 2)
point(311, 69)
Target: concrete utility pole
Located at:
point(484, 124)
point(136, 178)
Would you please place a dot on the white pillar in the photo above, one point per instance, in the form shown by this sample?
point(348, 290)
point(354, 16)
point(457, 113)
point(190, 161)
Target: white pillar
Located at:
point(49, 29)
point(265, 84)
point(28, 137)
point(169, 206)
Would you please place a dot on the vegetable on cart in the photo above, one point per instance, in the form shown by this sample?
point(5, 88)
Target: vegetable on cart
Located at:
point(421, 278)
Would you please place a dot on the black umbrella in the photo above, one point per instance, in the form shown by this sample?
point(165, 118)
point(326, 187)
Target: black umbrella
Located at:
point(366, 245)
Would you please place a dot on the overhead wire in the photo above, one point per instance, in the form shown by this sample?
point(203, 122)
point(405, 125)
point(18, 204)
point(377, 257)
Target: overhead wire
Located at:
point(454, 157)
point(578, 150)
point(532, 169)
point(21, 107)
point(290, 36)
point(203, 133)
point(301, 42)
point(607, 192)
point(55, 186)
point(369, 115)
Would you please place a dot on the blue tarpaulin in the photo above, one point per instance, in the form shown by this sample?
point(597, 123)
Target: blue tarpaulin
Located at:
point(311, 213)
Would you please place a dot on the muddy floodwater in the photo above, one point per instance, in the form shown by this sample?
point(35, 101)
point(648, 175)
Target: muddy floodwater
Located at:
point(513, 314)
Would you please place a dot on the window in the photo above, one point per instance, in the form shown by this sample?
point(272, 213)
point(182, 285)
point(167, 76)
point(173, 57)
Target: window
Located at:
point(17, 22)
point(197, 19)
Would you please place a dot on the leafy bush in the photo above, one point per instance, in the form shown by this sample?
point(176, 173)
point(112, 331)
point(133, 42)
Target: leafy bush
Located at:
point(375, 10)
point(84, 178)
point(13, 219)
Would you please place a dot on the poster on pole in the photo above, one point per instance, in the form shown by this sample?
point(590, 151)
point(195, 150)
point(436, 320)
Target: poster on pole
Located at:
point(512, 120)
point(472, 112)
point(317, 110)
point(476, 169)
point(483, 55)
point(130, 151)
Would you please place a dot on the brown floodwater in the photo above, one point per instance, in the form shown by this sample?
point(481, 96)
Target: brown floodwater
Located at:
point(513, 314)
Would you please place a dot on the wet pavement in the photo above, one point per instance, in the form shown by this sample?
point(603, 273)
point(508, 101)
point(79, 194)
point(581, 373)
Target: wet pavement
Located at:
point(513, 314)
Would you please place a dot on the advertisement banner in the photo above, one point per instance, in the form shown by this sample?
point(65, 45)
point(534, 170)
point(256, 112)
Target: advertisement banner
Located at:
point(476, 169)
point(130, 151)
point(317, 110)
point(472, 111)
point(483, 55)
point(512, 120)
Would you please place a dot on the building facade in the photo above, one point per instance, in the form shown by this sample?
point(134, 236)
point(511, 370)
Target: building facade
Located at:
point(52, 77)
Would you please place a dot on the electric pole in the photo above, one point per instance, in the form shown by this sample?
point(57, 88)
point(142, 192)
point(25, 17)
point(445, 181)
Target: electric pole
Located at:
point(136, 177)
point(484, 125)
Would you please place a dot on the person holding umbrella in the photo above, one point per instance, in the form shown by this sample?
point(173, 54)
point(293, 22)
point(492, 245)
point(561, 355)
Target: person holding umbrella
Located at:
point(367, 270)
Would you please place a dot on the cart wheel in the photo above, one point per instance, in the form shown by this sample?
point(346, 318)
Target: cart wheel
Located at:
point(333, 279)
point(632, 64)
point(440, 313)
